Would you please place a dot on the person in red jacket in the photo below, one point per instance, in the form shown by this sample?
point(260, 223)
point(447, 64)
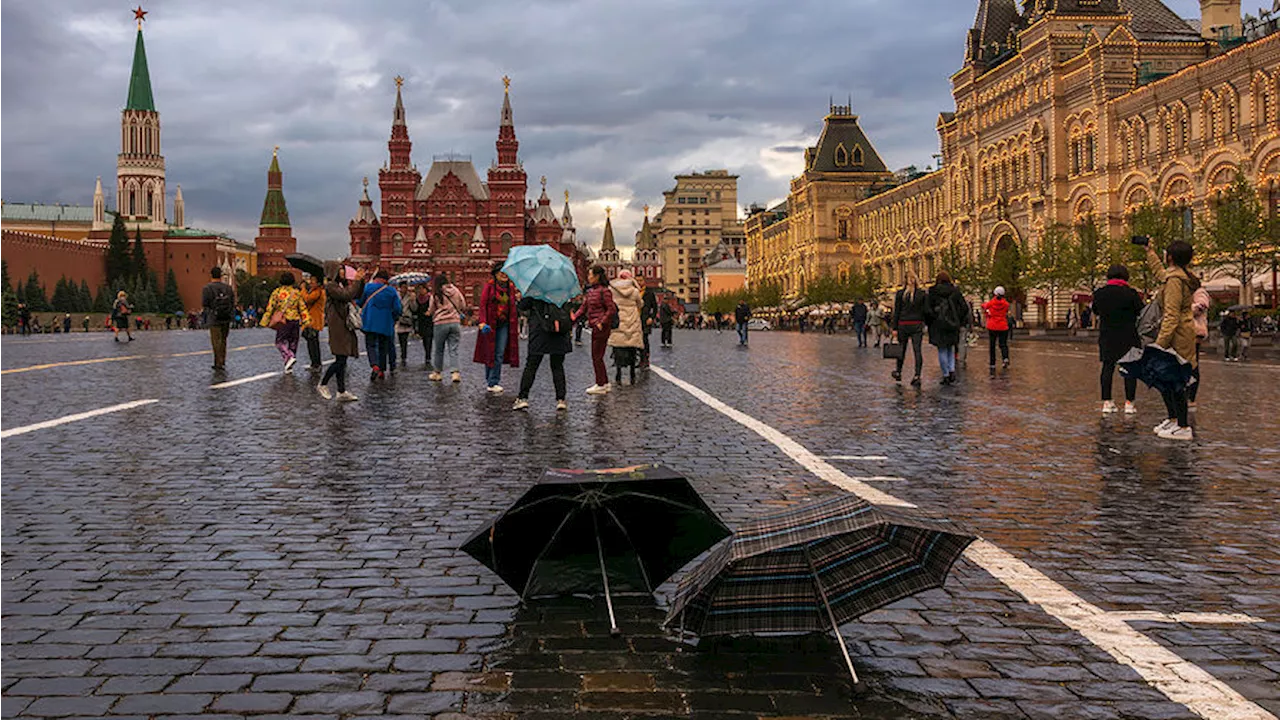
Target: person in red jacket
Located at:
point(498, 341)
point(997, 309)
point(600, 310)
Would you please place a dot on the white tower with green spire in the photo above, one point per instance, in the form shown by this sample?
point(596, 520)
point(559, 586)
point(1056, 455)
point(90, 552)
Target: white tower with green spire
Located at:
point(140, 194)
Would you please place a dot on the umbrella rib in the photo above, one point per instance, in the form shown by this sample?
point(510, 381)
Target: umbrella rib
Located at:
point(817, 584)
point(659, 498)
point(627, 536)
point(534, 568)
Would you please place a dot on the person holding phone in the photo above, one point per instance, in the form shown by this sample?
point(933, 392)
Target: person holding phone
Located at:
point(339, 293)
point(1177, 329)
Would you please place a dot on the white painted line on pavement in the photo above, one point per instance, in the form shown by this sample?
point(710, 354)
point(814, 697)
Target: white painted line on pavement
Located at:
point(1181, 681)
point(94, 361)
point(873, 458)
point(74, 418)
point(1188, 618)
point(882, 478)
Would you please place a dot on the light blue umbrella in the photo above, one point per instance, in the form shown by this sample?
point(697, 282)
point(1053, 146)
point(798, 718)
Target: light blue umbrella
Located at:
point(410, 278)
point(543, 273)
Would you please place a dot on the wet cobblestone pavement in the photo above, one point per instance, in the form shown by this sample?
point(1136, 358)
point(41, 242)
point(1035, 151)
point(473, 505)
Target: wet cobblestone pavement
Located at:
point(251, 550)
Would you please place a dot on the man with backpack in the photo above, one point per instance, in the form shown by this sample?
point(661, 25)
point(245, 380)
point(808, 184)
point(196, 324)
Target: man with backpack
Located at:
point(945, 315)
point(219, 303)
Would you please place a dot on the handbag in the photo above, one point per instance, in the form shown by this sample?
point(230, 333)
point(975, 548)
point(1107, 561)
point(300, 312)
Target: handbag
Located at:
point(1150, 319)
point(277, 320)
point(354, 321)
point(893, 351)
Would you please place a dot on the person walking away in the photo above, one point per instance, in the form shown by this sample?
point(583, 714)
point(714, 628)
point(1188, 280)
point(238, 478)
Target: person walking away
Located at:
point(549, 335)
point(499, 339)
point(742, 316)
point(339, 296)
point(1117, 306)
point(1200, 302)
point(404, 327)
point(419, 307)
point(997, 310)
point(627, 340)
point(218, 301)
point(667, 320)
point(1177, 329)
point(314, 300)
point(648, 318)
point(875, 316)
point(380, 307)
point(945, 316)
point(24, 319)
point(1230, 329)
point(910, 306)
point(447, 306)
point(858, 315)
point(286, 314)
point(120, 312)
point(1246, 335)
point(600, 312)
point(719, 318)
point(1086, 319)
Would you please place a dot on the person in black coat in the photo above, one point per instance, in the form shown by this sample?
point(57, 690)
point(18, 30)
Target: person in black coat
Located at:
point(910, 313)
point(1117, 307)
point(550, 333)
point(859, 317)
point(648, 318)
point(946, 315)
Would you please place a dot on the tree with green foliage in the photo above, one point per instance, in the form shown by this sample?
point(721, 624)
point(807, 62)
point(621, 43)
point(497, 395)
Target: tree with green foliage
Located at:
point(84, 298)
point(971, 274)
point(119, 261)
point(254, 290)
point(138, 265)
point(9, 303)
point(34, 294)
point(1051, 263)
point(105, 298)
point(1092, 253)
point(1162, 225)
point(171, 302)
point(1007, 268)
point(1237, 238)
point(62, 301)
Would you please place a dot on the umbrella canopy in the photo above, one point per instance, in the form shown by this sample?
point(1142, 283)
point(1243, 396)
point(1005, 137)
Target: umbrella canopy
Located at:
point(543, 273)
point(1160, 368)
point(411, 278)
point(306, 263)
point(579, 529)
point(1238, 308)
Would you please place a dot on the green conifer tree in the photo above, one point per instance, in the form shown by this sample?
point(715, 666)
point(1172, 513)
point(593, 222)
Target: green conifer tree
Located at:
point(172, 302)
point(84, 298)
point(139, 265)
point(118, 260)
point(10, 298)
point(35, 295)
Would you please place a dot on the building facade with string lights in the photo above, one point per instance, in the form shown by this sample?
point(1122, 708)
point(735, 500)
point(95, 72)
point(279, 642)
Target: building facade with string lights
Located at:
point(1064, 110)
point(451, 220)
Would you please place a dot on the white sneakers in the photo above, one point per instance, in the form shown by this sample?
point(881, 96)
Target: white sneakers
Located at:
point(347, 396)
point(1109, 407)
point(598, 390)
point(1183, 434)
point(1168, 424)
point(1130, 409)
point(288, 364)
point(521, 404)
point(495, 389)
point(562, 405)
point(325, 392)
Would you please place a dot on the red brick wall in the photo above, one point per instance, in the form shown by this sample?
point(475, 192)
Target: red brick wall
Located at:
point(52, 258)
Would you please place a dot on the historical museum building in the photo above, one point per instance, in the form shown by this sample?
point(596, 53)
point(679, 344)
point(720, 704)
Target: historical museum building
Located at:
point(451, 221)
point(1064, 110)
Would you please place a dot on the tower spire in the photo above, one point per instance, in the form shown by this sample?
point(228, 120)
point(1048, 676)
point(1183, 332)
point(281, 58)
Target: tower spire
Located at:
point(399, 112)
point(508, 146)
point(274, 211)
point(399, 146)
point(608, 243)
point(140, 79)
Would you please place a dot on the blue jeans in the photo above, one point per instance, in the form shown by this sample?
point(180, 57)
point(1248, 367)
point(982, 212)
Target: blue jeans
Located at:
point(947, 359)
point(742, 333)
point(860, 329)
point(493, 373)
point(378, 347)
point(444, 340)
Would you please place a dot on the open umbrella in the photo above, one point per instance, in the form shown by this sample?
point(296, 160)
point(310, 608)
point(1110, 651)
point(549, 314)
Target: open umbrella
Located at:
point(1238, 308)
point(410, 278)
point(543, 273)
point(578, 530)
point(814, 567)
point(306, 263)
point(1160, 368)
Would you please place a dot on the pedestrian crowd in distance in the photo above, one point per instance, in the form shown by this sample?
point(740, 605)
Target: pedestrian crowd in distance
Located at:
point(619, 315)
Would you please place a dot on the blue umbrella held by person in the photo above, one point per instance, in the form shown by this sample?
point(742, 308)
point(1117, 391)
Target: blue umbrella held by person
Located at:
point(543, 273)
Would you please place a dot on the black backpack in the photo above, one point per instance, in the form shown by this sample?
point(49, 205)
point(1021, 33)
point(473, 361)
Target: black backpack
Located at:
point(555, 320)
point(223, 304)
point(949, 316)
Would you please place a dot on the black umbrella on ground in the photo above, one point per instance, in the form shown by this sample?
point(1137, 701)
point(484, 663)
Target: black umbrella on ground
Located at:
point(306, 263)
point(1160, 368)
point(577, 530)
point(814, 567)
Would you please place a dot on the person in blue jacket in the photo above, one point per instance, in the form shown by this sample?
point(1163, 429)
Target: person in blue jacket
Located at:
point(380, 308)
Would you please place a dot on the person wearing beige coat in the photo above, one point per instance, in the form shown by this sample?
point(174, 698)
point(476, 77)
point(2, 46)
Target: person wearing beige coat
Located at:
point(1177, 329)
point(627, 340)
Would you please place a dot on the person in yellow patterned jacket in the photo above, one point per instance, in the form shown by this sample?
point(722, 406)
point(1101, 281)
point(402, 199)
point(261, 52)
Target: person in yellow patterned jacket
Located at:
point(286, 313)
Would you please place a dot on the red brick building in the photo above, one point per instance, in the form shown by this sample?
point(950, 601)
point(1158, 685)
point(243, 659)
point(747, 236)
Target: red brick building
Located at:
point(452, 221)
point(275, 234)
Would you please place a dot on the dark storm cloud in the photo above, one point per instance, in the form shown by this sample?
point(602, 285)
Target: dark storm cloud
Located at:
point(611, 97)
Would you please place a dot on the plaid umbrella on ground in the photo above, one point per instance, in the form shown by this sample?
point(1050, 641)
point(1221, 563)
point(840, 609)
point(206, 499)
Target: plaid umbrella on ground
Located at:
point(1160, 368)
point(814, 567)
point(579, 530)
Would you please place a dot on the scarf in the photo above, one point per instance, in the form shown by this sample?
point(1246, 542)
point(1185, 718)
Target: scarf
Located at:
point(1118, 281)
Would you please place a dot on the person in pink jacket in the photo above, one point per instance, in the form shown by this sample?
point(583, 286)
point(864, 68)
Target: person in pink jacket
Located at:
point(446, 308)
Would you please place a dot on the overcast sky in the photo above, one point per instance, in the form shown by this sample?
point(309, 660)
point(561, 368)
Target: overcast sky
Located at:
point(611, 97)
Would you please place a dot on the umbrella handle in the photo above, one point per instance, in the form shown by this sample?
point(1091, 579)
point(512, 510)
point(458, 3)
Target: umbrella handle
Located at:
point(831, 617)
point(604, 575)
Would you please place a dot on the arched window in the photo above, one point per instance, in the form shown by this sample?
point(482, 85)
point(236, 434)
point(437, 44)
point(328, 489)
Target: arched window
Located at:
point(506, 241)
point(858, 157)
point(842, 156)
point(397, 244)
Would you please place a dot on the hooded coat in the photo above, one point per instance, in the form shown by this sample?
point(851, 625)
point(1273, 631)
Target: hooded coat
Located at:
point(630, 301)
point(1177, 327)
point(339, 295)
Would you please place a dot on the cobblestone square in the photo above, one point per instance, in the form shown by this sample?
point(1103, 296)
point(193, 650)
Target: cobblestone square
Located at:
point(242, 547)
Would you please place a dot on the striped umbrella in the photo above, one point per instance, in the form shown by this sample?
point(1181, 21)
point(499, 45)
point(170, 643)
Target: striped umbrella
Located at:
point(813, 568)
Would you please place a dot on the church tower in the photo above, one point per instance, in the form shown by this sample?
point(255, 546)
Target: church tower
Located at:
point(275, 234)
point(140, 195)
point(610, 258)
point(508, 183)
point(398, 184)
point(645, 261)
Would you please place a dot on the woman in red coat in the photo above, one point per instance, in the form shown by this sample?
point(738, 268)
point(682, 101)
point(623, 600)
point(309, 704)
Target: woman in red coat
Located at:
point(997, 309)
point(498, 319)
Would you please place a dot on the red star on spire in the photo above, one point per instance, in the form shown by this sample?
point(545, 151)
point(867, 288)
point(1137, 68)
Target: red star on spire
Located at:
point(139, 14)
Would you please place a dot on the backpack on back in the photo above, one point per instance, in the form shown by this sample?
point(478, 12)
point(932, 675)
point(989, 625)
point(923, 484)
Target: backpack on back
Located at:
point(555, 319)
point(223, 305)
point(949, 315)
